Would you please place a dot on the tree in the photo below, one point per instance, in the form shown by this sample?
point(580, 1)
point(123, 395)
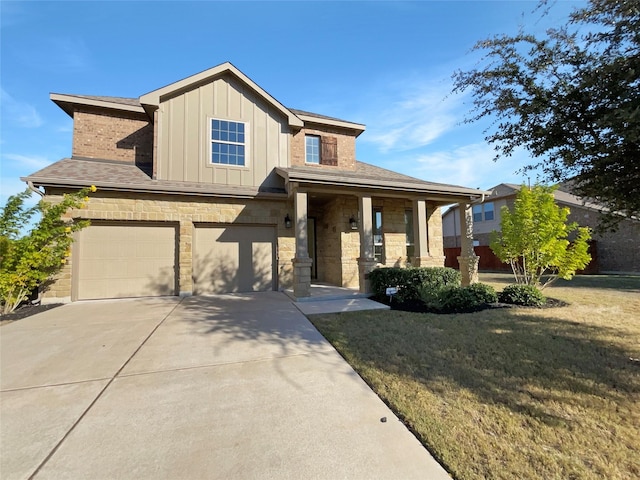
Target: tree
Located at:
point(30, 260)
point(572, 99)
point(534, 239)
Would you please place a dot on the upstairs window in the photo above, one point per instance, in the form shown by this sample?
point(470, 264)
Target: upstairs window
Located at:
point(488, 211)
point(228, 142)
point(312, 149)
point(477, 213)
point(321, 150)
point(483, 212)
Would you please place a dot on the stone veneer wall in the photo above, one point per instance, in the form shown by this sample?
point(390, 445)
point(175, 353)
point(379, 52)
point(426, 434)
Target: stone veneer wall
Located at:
point(346, 147)
point(183, 211)
point(119, 136)
point(338, 247)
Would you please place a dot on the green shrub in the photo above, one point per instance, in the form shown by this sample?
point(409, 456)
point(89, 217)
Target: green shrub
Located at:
point(521, 294)
point(412, 282)
point(467, 299)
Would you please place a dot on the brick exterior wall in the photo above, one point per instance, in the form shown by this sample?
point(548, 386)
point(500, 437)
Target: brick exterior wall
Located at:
point(346, 147)
point(121, 136)
point(182, 211)
point(618, 252)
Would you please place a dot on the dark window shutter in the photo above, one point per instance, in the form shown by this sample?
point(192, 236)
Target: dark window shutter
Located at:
point(329, 153)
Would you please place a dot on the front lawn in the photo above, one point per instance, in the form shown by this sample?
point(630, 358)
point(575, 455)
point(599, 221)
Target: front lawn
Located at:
point(512, 393)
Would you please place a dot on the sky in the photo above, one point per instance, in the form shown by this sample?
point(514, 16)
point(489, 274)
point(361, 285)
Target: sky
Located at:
point(387, 65)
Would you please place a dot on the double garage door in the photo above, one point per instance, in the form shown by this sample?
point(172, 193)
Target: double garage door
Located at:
point(133, 259)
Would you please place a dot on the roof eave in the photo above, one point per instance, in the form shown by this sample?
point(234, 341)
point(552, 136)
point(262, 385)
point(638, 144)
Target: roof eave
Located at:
point(158, 189)
point(397, 186)
point(358, 127)
point(67, 103)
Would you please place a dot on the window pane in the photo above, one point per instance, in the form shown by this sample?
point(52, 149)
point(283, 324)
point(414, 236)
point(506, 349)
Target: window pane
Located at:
point(408, 222)
point(233, 137)
point(477, 213)
point(215, 124)
point(224, 126)
point(488, 211)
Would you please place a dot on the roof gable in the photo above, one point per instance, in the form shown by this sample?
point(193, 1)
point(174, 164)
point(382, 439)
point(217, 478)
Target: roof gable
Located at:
point(150, 101)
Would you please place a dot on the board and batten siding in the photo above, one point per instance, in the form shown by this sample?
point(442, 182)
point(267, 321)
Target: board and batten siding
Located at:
point(184, 135)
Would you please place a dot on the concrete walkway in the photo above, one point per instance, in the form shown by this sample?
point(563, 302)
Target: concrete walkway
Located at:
point(230, 387)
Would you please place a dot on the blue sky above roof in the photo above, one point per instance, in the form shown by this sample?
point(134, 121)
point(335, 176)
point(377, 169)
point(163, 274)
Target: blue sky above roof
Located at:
point(387, 65)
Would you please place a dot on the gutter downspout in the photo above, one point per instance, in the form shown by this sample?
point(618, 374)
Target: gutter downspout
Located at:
point(34, 189)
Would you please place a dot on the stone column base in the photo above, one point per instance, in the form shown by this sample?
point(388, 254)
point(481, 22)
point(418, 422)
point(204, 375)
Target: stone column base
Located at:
point(469, 269)
point(302, 277)
point(365, 265)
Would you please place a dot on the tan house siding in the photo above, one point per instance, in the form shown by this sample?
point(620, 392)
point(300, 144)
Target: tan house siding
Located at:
point(346, 145)
point(184, 211)
point(121, 136)
point(184, 135)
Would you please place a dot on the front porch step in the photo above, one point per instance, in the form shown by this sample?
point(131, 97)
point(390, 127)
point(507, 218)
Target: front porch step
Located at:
point(321, 293)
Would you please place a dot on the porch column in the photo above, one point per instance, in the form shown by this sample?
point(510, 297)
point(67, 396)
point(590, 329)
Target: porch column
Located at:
point(420, 236)
point(301, 262)
point(366, 261)
point(468, 259)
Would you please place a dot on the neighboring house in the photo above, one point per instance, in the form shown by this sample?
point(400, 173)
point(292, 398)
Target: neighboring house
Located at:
point(616, 252)
point(210, 185)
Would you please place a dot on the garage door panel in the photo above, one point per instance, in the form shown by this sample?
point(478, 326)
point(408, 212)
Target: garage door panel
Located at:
point(234, 258)
point(126, 260)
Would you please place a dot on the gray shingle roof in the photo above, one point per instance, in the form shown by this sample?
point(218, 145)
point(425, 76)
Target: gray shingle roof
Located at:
point(113, 175)
point(370, 176)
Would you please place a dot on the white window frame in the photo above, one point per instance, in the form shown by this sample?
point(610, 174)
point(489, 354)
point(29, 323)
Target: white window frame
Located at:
point(211, 141)
point(483, 212)
point(306, 158)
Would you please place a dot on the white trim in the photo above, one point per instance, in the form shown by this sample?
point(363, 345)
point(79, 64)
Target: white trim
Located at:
point(319, 162)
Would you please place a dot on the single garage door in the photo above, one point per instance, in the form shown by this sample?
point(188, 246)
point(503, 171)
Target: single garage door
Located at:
point(236, 258)
point(126, 260)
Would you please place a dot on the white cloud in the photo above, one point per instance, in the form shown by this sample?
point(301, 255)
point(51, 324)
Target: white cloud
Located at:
point(416, 114)
point(30, 162)
point(469, 165)
point(20, 113)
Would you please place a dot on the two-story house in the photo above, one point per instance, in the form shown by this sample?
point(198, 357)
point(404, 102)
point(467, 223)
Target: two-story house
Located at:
point(612, 252)
point(210, 185)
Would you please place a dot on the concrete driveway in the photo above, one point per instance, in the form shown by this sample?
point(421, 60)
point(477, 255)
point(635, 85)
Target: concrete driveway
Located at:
point(230, 387)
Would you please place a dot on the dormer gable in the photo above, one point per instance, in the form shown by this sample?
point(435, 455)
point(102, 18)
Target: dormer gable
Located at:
point(151, 101)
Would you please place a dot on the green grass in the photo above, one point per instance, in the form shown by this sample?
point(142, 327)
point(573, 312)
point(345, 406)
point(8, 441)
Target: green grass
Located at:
point(512, 393)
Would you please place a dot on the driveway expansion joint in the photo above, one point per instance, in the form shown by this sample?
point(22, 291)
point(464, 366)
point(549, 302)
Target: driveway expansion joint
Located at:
point(93, 402)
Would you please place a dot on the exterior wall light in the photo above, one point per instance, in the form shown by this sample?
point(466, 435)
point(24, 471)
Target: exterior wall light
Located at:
point(287, 221)
point(354, 223)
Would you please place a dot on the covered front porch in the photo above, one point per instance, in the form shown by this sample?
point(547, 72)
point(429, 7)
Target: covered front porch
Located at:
point(346, 227)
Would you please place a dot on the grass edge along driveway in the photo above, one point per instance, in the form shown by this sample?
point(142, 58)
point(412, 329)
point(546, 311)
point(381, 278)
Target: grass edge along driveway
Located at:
point(512, 393)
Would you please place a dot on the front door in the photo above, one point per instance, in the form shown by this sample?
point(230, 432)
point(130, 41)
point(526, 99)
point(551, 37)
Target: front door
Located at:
point(311, 238)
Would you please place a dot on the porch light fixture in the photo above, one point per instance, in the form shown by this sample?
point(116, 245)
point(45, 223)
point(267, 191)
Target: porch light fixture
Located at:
point(287, 221)
point(353, 222)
